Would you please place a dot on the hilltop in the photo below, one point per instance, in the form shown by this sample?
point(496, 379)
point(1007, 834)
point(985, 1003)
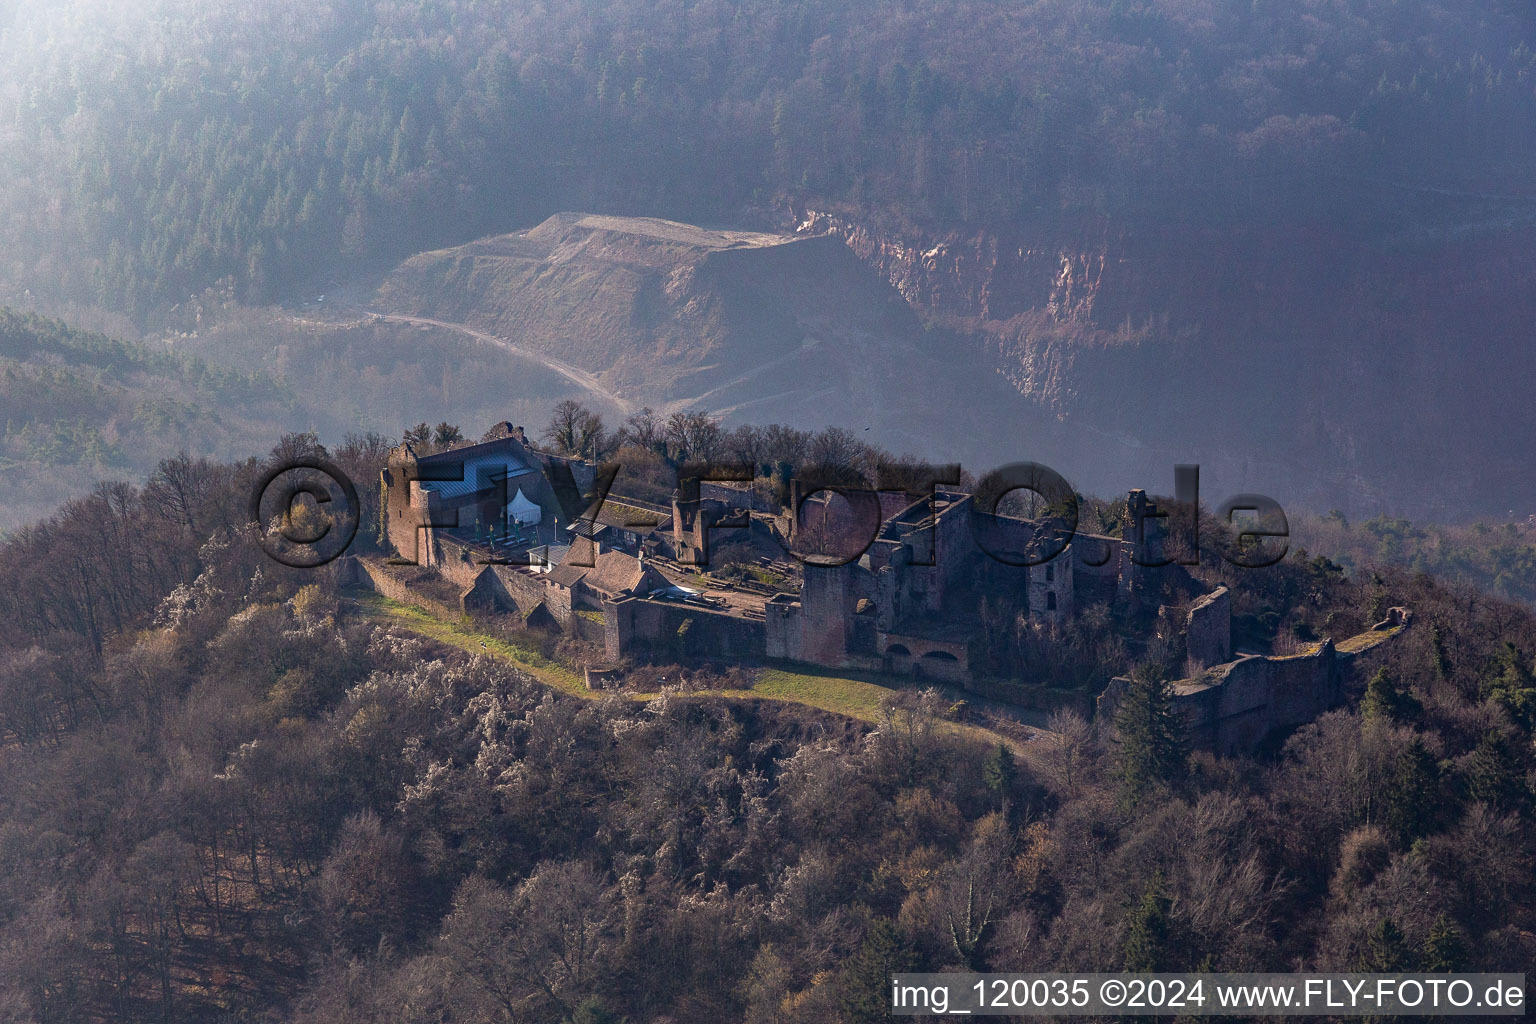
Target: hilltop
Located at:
point(639, 311)
point(296, 802)
point(661, 310)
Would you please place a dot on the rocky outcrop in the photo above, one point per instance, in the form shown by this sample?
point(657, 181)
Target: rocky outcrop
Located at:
point(1322, 365)
point(758, 327)
point(656, 309)
point(977, 276)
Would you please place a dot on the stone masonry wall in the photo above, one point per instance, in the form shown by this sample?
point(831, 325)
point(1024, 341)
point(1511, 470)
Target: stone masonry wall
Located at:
point(662, 630)
point(1233, 706)
point(1208, 629)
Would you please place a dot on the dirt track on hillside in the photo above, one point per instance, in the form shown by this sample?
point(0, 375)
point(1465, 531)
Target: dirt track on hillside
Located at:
point(574, 374)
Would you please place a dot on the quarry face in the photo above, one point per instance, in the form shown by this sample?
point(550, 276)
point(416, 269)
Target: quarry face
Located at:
point(1103, 355)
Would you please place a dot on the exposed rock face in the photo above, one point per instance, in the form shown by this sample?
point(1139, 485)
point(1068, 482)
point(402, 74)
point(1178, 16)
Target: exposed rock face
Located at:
point(761, 327)
point(667, 311)
point(1321, 369)
point(1318, 367)
point(976, 276)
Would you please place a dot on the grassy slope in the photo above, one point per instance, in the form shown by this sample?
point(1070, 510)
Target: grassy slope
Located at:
point(455, 635)
point(842, 695)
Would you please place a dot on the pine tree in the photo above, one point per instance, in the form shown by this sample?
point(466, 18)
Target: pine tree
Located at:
point(1151, 734)
point(1445, 950)
point(999, 773)
point(1412, 793)
point(1207, 965)
point(1494, 773)
point(1437, 652)
point(1510, 682)
point(592, 1011)
point(865, 988)
point(1384, 702)
point(783, 472)
point(1386, 951)
point(1146, 931)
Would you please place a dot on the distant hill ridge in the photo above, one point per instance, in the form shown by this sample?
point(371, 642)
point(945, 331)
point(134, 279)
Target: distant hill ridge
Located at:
point(664, 311)
point(76, 406)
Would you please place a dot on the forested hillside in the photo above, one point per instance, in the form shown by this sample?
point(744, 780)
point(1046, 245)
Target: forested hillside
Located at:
point(1287, 239)
point(148, 149)
point(227, 791)
point(79, 407)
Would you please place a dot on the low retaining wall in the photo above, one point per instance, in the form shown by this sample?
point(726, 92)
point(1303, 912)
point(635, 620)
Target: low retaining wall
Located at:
point(1033, 698)
point(377, 576)
point(664, 630)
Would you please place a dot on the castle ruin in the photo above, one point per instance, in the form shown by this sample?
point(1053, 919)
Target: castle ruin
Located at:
point(505, 527)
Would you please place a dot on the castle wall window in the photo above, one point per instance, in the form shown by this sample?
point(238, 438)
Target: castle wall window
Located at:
point(1050, 600)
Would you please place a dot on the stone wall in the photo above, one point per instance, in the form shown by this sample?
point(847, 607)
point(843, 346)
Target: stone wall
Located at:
point(782, 628)
point(1241, 702)
point(1208, 630)
point(741, 495)
point(405, 514)
point(505, 590)
point(925, 658)
point(392, 582)
point(666, 630)
point(827, 600)
point(1232, 707)
point(1050, 588)
point(347, 571)
point(602, 678)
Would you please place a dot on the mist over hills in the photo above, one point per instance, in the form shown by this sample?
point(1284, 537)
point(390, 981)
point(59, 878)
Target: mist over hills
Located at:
point(1288, 365)
point(1332, 369)
point(79, 406)
point(705, 775)
point(1287, 241)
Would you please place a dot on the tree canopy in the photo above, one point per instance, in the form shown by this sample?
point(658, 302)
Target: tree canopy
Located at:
point(152, 149)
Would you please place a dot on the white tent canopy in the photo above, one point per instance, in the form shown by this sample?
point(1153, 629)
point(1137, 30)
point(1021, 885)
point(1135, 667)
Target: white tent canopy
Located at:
point(523, 511)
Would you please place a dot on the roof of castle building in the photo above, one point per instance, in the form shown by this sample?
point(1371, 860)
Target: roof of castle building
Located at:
point(506, 442)
point(566, 575)
point(483, 464)
point(629, 518)
point(612, 573)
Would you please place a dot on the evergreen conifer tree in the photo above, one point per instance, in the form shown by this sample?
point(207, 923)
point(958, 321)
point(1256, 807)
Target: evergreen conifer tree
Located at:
point(1151, 735)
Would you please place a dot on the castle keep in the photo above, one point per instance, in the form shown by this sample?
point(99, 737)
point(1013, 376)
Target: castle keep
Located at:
point(908, 604)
